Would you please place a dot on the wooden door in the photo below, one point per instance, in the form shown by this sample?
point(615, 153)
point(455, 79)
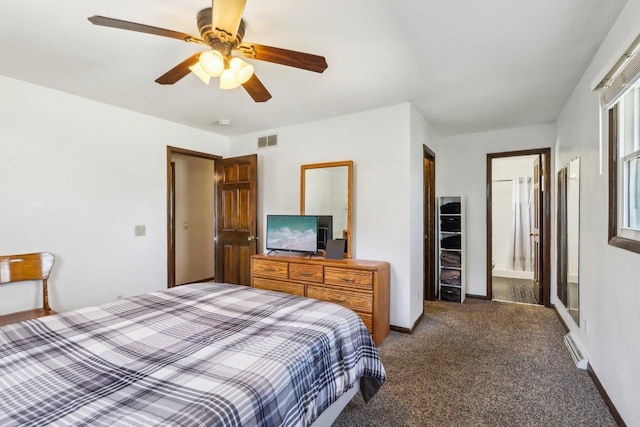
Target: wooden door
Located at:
point(429, 177)
point(236, 229)
point(537, 231)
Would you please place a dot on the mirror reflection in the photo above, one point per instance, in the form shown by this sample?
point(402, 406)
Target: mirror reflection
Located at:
point(569, 238)
point(325, 190)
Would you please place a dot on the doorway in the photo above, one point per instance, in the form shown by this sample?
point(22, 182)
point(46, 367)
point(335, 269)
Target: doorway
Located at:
point(518, 226)
point(231, 221)
point(429, 215)
point(191, 216)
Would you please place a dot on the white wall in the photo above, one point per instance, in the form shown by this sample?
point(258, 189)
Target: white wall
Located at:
point(330, 190)
point(502, 212)
point(318, 182)
point(378, 141)
point(76, 177)
point(194, 216)
point(609, 291)
point(461, 170)
point(421, 134)
point(573, 223)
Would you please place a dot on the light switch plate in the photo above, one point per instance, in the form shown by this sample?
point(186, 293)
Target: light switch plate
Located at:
point(140, 230)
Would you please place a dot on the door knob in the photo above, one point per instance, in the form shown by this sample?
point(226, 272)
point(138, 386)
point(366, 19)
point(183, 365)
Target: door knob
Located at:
point(252, 238)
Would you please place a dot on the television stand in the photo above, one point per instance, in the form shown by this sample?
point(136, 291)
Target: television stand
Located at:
point(362, 286)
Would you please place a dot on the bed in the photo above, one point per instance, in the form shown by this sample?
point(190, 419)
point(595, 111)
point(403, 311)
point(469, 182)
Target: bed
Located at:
point(203, 354)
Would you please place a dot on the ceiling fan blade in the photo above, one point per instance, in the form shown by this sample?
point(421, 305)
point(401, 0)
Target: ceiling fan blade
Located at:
point(141, 28)
point(179, 71)
point(226, 15)
point(256, 89)
point(305, 61)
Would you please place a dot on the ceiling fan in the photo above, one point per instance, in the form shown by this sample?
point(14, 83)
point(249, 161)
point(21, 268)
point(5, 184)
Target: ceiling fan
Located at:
point(222, 29)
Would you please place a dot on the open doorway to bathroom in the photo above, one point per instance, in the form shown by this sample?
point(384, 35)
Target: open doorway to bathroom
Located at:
point(518, 226)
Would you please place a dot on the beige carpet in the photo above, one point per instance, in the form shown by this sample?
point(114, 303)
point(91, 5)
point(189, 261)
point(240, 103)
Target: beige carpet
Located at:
point(481, 363)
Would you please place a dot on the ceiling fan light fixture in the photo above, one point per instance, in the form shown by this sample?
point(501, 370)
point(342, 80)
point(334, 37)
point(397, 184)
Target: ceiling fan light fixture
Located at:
point(222, 28)
point(226, 16)
point(198, 71)
point(241, 69)
point(212, 62)
point(228, 79)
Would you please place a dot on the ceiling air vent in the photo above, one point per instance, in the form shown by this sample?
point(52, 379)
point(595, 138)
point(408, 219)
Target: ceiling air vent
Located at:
point(267, 141)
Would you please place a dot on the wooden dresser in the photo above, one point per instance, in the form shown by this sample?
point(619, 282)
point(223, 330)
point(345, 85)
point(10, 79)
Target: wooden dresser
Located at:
point(362, 286)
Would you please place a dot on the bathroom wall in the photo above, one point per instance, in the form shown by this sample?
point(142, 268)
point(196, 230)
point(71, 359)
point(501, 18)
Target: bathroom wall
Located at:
point(504, 171)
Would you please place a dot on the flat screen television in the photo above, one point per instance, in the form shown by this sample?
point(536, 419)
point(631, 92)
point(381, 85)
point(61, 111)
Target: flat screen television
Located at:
point(297, 233)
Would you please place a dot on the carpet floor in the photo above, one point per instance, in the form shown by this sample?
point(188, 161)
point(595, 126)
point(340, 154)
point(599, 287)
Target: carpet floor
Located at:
point(481, 363)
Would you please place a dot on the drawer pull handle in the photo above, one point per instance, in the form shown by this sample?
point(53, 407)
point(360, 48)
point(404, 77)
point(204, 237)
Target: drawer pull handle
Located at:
point(269, 269)
point(339, 300)
point(306, 274)
point(348, 279)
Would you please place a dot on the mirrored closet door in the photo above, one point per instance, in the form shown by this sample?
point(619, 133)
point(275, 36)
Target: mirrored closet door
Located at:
point(569, 238)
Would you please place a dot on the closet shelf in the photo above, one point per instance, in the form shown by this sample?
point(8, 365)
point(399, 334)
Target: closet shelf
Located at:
point(451, 280)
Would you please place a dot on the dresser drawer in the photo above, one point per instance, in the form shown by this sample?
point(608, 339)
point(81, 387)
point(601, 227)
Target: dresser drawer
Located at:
point(275, 285)
point(306, 272)
point(358, 301)
point(267, 268)
point(362, 286)
point(367, 319)
point(343, 277)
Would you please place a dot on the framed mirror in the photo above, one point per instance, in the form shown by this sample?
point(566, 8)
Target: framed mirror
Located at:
point(569, 238)
point(326, 190)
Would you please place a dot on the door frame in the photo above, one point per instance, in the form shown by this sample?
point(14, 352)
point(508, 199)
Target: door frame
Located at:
point(171, 232)
point(561, 238)
point(545, 154)
point(429, 224)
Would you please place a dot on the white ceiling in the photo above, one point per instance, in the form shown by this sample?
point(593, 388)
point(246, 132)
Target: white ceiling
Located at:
point(467, 65)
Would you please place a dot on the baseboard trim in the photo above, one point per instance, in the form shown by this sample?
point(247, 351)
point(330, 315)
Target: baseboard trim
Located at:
point(596, 381)
point(562, 322)
point(607, 400)
point(407, 330)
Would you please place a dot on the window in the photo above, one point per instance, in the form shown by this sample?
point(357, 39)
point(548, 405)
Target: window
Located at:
point(628, 162)
point(633, 192)
point(620, 96)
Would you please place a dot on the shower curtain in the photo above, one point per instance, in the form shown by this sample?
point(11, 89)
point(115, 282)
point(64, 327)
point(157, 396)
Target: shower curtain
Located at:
point(522, 210)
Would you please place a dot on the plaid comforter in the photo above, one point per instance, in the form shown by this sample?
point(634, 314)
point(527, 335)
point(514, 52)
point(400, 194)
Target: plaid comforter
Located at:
point(203, 354)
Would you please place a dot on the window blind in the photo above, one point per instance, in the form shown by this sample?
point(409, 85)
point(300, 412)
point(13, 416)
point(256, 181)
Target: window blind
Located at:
point(623, 74)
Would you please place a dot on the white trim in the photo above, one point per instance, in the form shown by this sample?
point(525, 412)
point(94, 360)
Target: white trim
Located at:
point(603, 126)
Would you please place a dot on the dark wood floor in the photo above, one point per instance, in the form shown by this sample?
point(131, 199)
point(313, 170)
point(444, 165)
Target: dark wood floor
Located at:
point(513, 290)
